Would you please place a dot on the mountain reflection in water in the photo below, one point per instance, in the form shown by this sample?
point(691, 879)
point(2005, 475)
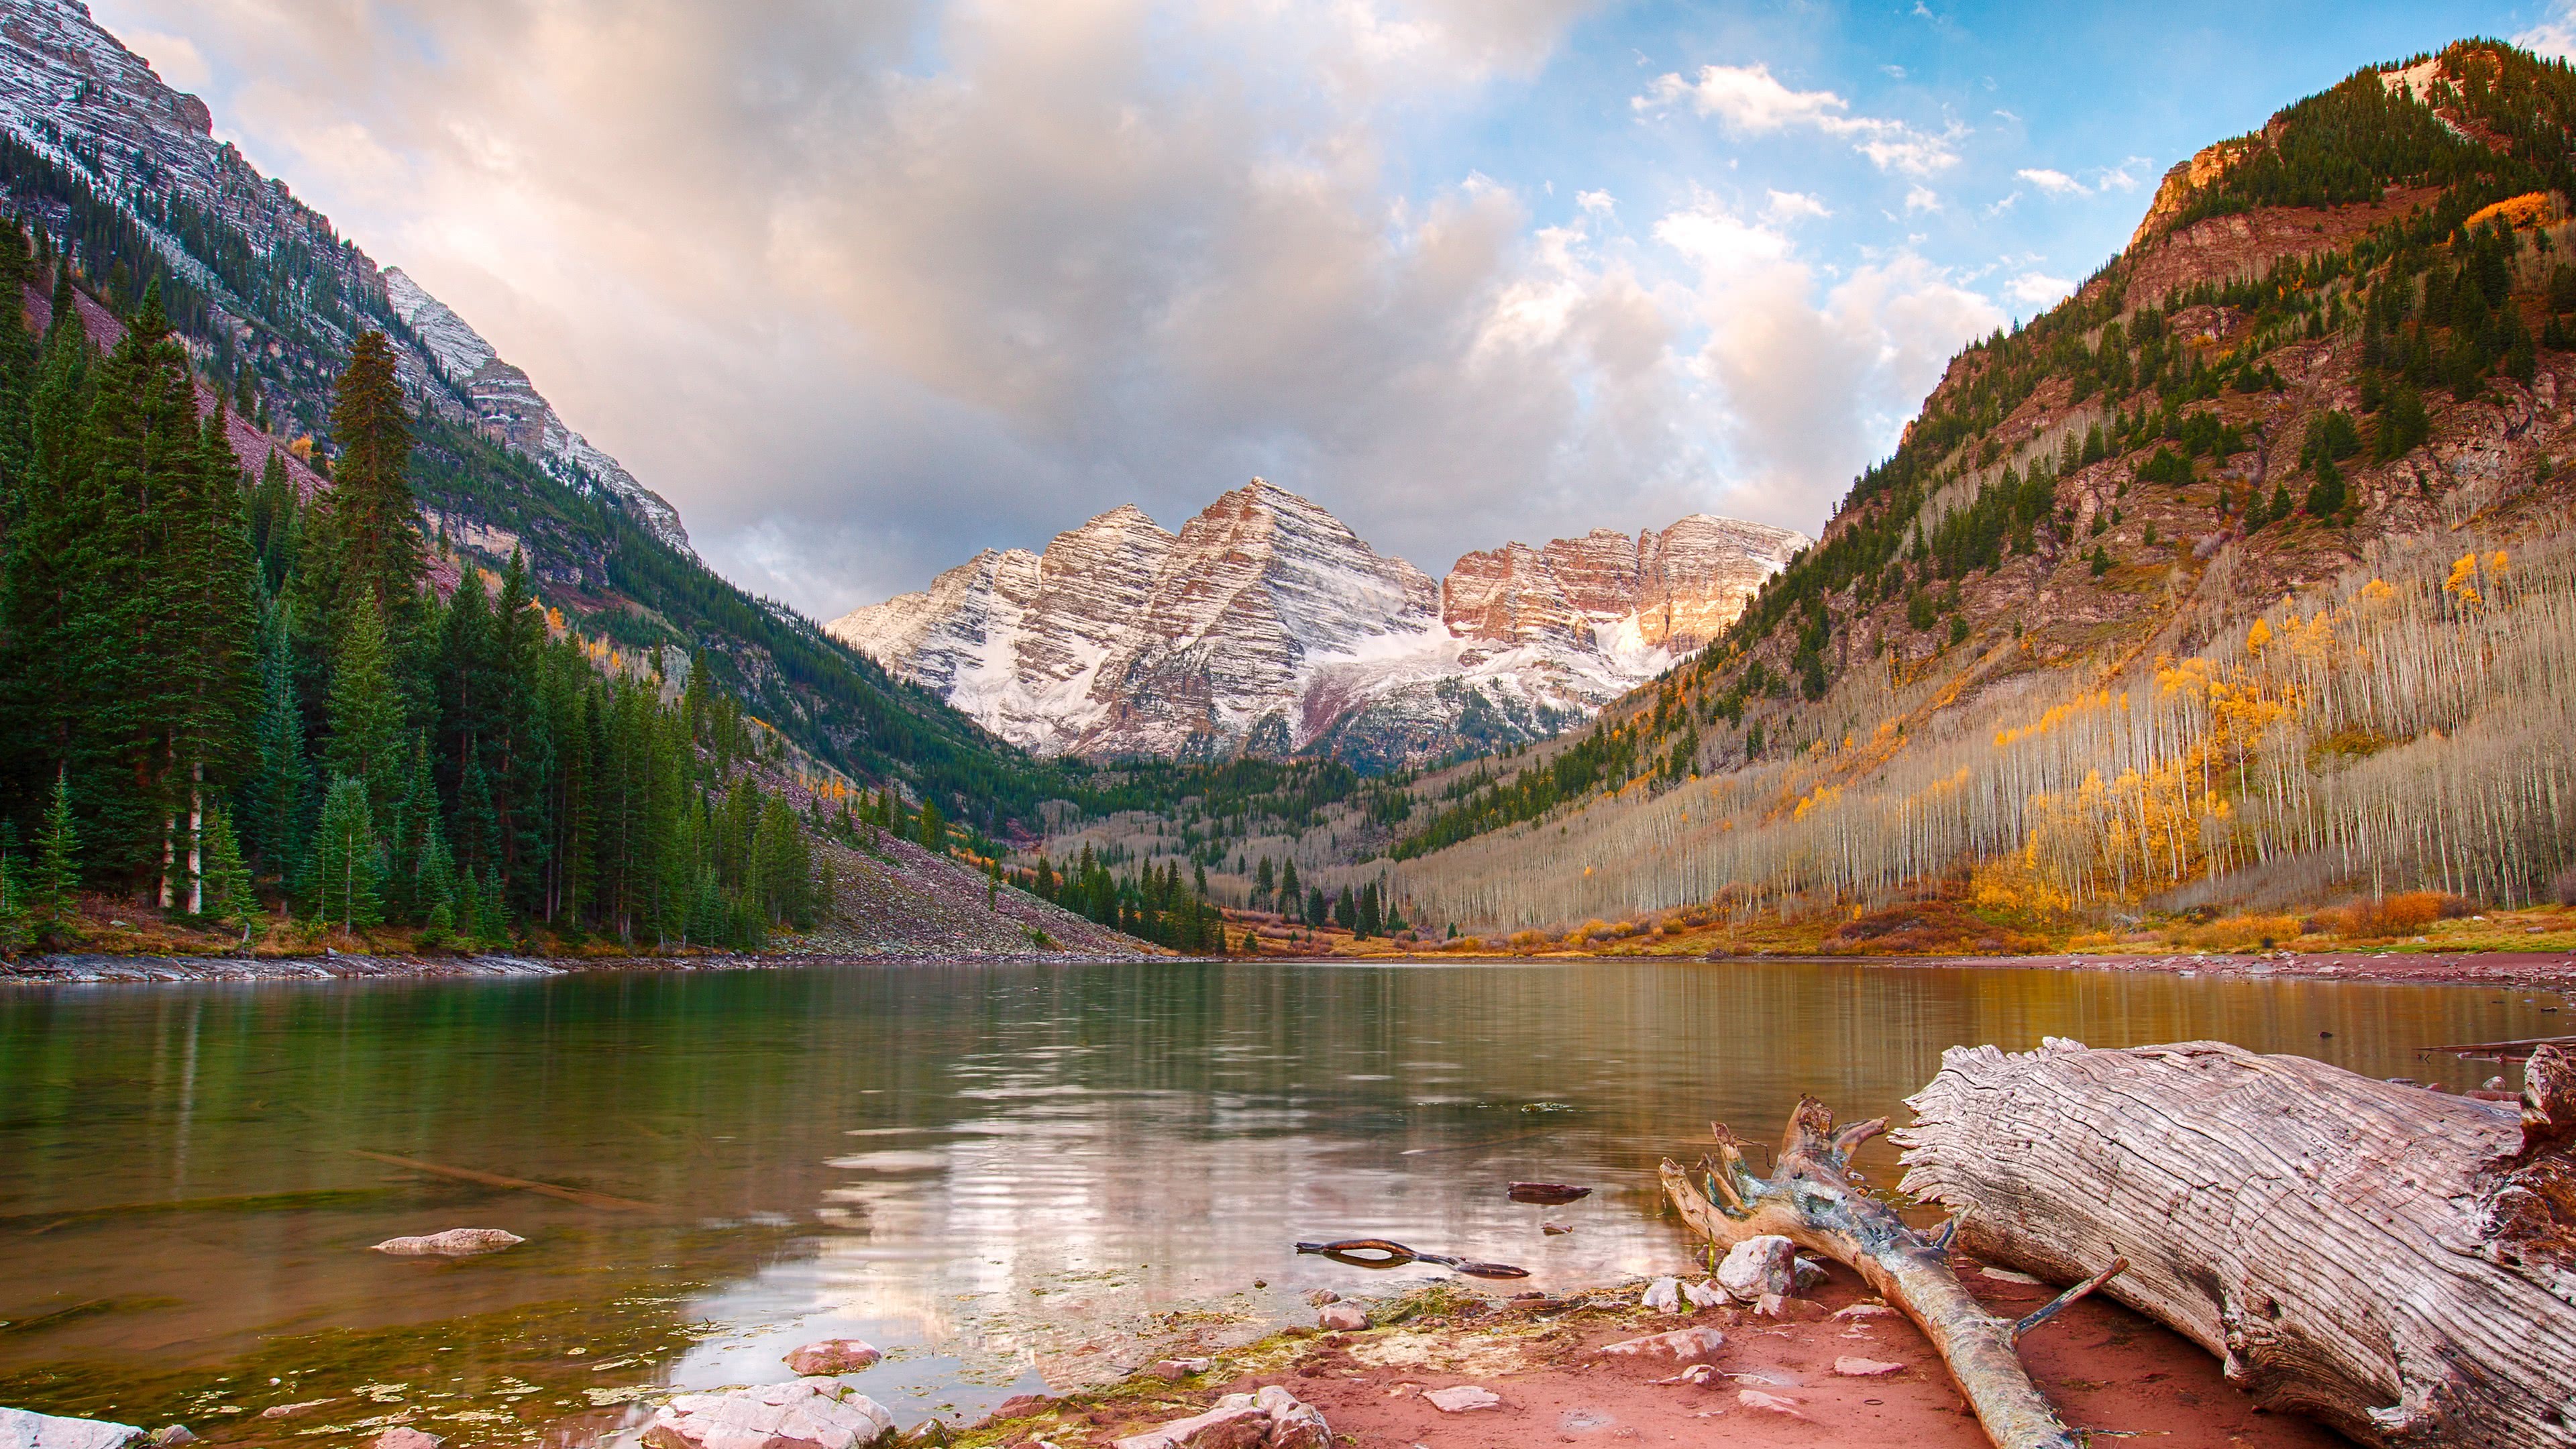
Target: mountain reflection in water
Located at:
point(1007, 1177)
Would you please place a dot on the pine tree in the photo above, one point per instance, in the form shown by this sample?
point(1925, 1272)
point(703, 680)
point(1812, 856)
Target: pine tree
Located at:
point(366, 743)
point(57, 875)
point(212, 592)
point(228, 898)
point(345, 867)
point(934, 830)
point(277, 799)
point(367, 519)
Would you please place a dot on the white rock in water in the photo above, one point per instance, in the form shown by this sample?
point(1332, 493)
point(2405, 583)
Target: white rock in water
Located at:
point(808, 1413)
point(403, 1436)
point(454, 1243)
point(1664, 1295)
point(26, 1429)
point(1464, 1399)
point(1271, 1419)
point(833, 1356)
point(1756, 1266)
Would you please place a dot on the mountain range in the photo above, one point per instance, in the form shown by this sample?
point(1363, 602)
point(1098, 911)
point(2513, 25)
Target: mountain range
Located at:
point(1267, 625)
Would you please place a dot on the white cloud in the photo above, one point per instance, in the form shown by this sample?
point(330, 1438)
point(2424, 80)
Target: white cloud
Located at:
point(2037, 289)
point(2123, 177)
point(2555, 35)
point(2000, 207)
point(1598, 203)
point(2055, 183)
point(1921, 198)
point(1892, 72)
point(1749, 99)
point(1794, 206)
point(1812, 380)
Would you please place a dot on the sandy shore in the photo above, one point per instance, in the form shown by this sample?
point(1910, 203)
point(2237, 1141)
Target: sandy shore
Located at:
point(1777, 1383)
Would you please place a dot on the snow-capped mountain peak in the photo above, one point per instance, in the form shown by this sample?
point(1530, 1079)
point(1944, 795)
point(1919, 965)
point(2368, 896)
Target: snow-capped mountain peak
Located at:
point(1267, 624)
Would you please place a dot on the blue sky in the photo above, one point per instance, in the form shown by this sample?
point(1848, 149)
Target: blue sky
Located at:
point(864, 288)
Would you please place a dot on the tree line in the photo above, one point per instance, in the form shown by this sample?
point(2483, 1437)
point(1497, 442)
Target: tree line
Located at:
point(221, 696)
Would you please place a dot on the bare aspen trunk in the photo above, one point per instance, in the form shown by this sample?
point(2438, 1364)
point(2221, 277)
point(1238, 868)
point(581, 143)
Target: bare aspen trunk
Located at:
point(1811, 1199)
point(2396, 1262)
point(197, 839)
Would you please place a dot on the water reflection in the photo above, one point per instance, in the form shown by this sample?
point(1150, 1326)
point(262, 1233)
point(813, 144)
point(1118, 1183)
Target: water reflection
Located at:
point(1005, 1176)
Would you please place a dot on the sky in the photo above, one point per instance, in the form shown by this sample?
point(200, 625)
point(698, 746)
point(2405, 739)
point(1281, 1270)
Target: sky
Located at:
point(865, 286)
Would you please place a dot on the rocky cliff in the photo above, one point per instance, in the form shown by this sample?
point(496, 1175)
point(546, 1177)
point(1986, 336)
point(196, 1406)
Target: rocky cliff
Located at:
point(96, 133)
point(1267, 624)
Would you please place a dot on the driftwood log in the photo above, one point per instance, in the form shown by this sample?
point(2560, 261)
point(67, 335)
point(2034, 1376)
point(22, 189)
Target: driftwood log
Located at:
point(1811, 1199)
point(2396, 1262)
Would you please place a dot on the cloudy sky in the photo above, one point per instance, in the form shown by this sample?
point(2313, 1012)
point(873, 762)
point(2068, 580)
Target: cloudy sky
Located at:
point(864, 286)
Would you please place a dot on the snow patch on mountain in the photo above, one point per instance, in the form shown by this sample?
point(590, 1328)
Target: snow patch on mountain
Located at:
point(1267, 625)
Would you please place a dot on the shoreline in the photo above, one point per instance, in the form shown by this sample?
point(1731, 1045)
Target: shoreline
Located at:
point(1840, 1363)
point(2551, 971)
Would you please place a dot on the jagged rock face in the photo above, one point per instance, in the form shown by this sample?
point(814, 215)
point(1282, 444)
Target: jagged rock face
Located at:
point(1673, 590)
point(1266, 624)
point(510, 409)
point(71, 92)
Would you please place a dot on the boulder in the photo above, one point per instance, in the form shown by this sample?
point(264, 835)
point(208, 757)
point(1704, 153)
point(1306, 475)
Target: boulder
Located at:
point(1464, 1399)
point(1664, 1295)
point(1769, 1403)
point(1794, 1310)
point(807, 1413)
point(833, 1356)
point(1756, 1266)
point(1341, 1318)
point(25, 1429)
point(1682, 1345)
point(1806, 1276)
point(1706, 1295)
point(1271, 1419)
point(1173, 1370)
point(453, 1243)
point(403, 1436)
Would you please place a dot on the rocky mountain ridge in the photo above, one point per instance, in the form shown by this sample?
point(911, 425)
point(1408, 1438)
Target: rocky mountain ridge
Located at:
point(79, 102)
point(1267, 625)
point(2233, 582)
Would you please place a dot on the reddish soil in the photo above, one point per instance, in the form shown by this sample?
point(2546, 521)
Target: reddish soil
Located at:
point(2105, 1367)
point(2523, 970)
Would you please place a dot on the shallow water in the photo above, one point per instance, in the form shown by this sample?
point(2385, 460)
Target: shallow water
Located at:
point(1002, 1175)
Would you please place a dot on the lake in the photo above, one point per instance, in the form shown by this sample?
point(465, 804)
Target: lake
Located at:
point(1008, 1177)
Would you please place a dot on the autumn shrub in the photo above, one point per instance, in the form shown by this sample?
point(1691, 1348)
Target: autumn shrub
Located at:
point(2237, 933)
point(2397, 915)
point(1528, 940)
point(2563, 889)
point(1675, 925)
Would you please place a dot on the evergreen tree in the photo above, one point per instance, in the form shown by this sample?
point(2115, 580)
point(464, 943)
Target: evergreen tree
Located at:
point(209, 662)
point(277, 799)
point(367, 518)
point(57, 875)
point(366, 742)
point(345, 867)
point(934, 830)
point(228, 898)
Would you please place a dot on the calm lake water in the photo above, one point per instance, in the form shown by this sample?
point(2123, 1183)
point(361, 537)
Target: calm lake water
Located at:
point(1002, 1175)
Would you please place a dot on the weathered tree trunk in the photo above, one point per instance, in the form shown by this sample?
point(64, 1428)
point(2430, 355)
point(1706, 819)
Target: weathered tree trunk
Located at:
point(1811, 1199)
point(2399, 1263)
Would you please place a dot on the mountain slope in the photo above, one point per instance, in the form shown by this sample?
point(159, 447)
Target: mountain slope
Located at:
point(121, 175)
point(1267, 625)
point(2234, 579)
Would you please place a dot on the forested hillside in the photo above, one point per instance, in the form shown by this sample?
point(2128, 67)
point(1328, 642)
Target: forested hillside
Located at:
point(2237, 577)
